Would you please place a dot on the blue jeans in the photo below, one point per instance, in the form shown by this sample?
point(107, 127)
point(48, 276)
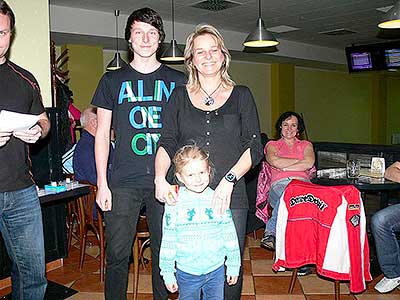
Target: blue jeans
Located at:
point(22, 231)
point(212, 285)
point(275, 193)
point(385, 224)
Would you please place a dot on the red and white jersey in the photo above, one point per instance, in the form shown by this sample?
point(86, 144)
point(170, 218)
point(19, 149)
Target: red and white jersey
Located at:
point(325, 226)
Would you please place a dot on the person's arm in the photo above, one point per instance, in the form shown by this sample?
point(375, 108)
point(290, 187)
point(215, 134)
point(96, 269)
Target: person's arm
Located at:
point(4, 137)
point(252, 150)
point(102, 149)
point(167, 146)
point(393, 172)
point(291, 164)
point(306, 163)
point(40, 130)
point(168, 249)
point(165, 192)
point(223, 192)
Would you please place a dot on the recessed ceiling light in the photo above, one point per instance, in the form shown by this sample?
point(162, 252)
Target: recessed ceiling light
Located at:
point(282, 28)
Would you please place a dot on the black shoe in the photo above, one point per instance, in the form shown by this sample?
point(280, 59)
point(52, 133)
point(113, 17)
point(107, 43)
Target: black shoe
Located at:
point(303, 271)
point(268, 242)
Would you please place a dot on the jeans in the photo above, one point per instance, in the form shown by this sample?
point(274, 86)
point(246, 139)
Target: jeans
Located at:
point(22, 231)
point(239, 216)
point(211, 284)
point(384, 225)
point(275, 193)
point(120, 231)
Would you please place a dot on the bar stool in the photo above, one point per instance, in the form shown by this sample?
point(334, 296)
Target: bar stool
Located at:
point(142, 239)
point(88, 222)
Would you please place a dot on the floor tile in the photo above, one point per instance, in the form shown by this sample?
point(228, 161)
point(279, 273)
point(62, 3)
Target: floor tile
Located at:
point(263, 267)
point(280, 297)
point(313, 284)
point(260, 253)
point(248, 285)
point(389, 296)
point(279, 285)
point(246, 266)
point(329, 297)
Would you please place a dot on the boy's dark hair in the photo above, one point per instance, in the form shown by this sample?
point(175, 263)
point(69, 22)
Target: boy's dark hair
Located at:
point(145, 15)
point(7, 11)
point(287, 115)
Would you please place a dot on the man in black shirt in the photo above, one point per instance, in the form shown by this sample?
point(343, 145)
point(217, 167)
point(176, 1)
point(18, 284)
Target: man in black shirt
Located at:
point(132, 99)
point(20, 212)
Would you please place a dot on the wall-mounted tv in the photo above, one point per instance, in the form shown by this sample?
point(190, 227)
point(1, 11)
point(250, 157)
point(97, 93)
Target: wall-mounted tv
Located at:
point(374, 57)
point(361, 60)
point(392, 58)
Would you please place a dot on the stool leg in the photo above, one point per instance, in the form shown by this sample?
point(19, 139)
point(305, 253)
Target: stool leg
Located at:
point(135, 268)
point(292, 281)
point(337, 290)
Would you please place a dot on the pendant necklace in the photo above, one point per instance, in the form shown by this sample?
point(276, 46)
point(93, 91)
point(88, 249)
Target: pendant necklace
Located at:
point(209, 100)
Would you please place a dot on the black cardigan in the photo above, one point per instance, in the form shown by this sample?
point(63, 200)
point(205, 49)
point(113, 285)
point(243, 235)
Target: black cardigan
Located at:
point(226, 133)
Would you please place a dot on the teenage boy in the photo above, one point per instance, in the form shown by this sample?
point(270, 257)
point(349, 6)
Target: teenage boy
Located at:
point(132, 100)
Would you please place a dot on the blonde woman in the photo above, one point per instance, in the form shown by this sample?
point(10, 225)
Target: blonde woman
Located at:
point(220, 117)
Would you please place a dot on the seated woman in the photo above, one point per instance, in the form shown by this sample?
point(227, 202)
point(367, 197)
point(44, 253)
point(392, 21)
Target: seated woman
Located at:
point(289, 158)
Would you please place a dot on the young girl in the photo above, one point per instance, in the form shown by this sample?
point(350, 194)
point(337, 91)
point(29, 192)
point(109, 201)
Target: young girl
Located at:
point(195, 237)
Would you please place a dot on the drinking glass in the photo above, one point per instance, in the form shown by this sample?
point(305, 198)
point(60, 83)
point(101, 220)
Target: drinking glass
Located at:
point(353, 168)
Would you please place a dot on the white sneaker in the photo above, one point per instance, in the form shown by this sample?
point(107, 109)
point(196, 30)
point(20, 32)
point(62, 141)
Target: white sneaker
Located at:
point(282, 269)
point(387, 285)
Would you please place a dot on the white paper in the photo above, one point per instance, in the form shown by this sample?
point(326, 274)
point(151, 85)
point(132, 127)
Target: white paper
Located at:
point(12, 121)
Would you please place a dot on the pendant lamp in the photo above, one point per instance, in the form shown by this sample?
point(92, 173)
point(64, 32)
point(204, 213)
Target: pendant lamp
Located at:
point(173, 53)
point(260, 37)
point(391, 20)
point(117, 61)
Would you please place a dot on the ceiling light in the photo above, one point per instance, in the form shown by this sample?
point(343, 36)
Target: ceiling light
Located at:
point(260, 37)
point(173, 53)
point(391, 20)
point(117, 61)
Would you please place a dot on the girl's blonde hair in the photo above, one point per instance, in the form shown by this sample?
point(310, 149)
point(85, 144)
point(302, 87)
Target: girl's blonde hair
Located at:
point(188, 153)
point(193, 81)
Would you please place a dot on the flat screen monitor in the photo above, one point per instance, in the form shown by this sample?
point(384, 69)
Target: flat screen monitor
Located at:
point(392, 58)
point(361, 61)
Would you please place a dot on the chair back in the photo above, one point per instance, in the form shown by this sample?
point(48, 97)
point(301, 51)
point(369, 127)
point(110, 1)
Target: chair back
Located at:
point(325, 226)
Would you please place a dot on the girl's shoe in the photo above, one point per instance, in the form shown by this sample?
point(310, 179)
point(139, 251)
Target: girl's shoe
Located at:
point(268, 242)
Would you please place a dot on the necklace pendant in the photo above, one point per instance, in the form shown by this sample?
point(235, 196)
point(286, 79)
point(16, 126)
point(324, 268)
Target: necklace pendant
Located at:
point(209, 101)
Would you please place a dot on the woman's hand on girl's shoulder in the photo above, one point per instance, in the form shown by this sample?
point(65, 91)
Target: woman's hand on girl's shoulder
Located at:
point(165, 193)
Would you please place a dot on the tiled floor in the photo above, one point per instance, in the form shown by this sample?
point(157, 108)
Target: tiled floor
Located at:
point(260, 282)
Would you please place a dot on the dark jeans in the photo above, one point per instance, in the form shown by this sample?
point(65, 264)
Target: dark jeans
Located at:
point(120, 231)
point(384, 225)
point(212, 285)
point(239, 216)
point(22, 231)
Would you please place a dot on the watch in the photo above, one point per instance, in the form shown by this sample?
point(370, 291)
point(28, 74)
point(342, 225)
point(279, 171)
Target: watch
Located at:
point(231, 177)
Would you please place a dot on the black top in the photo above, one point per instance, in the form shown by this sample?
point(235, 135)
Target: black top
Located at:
point(226, 133)
point(19, 92)
point(137, 102)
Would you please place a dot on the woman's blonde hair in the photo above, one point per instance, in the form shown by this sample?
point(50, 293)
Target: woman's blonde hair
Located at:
point(188, 153)
point(193, 81)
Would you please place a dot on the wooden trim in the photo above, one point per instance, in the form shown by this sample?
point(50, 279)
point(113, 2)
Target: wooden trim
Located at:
point(58, 263)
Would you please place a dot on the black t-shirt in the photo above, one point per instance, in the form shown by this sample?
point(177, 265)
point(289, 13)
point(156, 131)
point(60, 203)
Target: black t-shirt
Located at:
point(19, 92)
point(137, 102)
point(225, 133)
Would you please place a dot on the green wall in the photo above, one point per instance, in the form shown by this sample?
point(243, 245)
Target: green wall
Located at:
point(85, 65)
point(393, 107)
point(257, 77)
point(335, 105)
